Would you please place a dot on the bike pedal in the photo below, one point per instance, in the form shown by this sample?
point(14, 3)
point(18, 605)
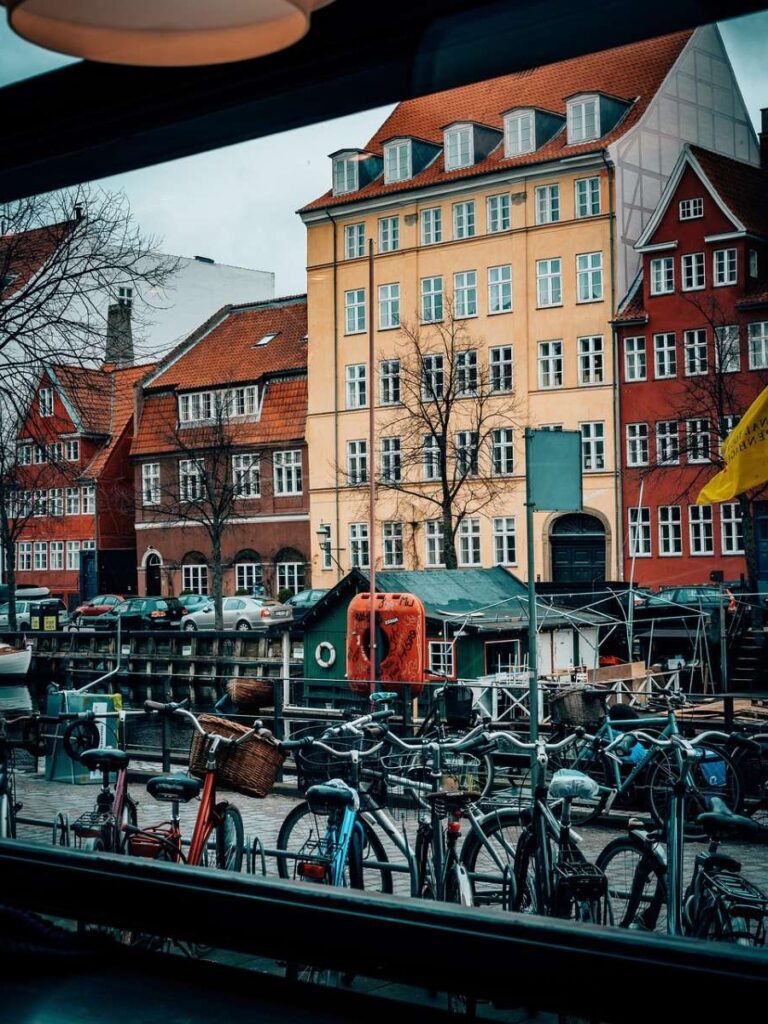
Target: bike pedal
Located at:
point(17, 807)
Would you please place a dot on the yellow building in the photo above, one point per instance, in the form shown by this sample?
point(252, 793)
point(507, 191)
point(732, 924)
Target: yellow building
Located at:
point(501, 210)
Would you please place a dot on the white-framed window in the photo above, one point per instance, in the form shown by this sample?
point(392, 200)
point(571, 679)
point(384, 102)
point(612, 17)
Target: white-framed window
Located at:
point(389, 306)
point(354, 311)
point(389, 234)
point(587, 197)
point(727, 349)
point(359, 546)
point(125, 296)
point(389, 381)
point(88, 545)
point(500, 289)
point(397, 161)
point(24, 556)
point(589, 277)
point(467, 453)
point(245, 401)
point(345, 177)
point(196, 407)
point(663, 275)
point(56, 452)
point(758, 345)
point(24, 457)
point(441, 658)
point(432, 377)
point(40, 507)
point(727, 423)
point(392, 545)
point(41, 555)
point(465, 293)
point(72, 451)
point(190, 479)
point(469, 543)
point(431, 457)
point(639, 532)
point(459, 147)
point(670, 531)
point(39, 454)
point(431, 299)
point(699, 440)
point(466, 373)
point(504, 541)
point(664, 356)
point(56, 501)
point(668, 442)
point(464, 219)
point(57, 555)
point(499, 214)
point(502, 452)
point(194, 579)
point(731, 529)
point(637, 444)
point(356, 386)
point(287, 472)
point(501, 362)
point(357, 462)
point(431, 226)
point(354, 241)
point(89, 500)
point(73, 554)
point(45, 402)
point(246, 475)
point(753, 263)
point(591, 356)
point(547, 204)
point(701, 529)
point(519, 133)
point(692, 265)
point(73, 501)
point(248, 576)
point(696, 358)
point(549, 282)
point(583, 120)
point(550, 364)
point(21, 505)
point(150, 483)
point(690, 209)
point(290, 576)
point(593, 446)
point(724, 267)
point(435, 550)
point(635, 359)
point(391, 459)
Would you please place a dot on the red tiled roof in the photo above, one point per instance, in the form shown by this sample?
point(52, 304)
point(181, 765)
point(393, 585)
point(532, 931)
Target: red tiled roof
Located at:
point(757, 295)
point(225, 351)
point(23, 254)
point(123, 383)
point(634, 73)
point(90, 393)
point(631, 308)
point(742, 187)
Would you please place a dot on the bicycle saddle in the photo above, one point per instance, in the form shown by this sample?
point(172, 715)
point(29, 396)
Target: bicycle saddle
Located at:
point(720, 818)
point(104, 759)
point(174, 787)
point(334, 792)
point(567, 783)
point(382, 697)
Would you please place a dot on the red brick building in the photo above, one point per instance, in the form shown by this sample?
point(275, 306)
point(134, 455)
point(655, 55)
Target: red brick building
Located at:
point(692, 338)
point(251, 361)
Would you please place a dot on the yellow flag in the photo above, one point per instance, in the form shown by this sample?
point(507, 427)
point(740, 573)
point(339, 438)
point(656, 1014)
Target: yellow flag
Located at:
point(745, 453)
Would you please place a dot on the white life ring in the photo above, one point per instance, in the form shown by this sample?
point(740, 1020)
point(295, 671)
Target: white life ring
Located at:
point(325, 654)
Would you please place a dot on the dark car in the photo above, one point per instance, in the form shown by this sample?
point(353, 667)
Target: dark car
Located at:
point(143, 613)
point(303, 601)
point(702, 598)
point(96, 606)
point(193, 602)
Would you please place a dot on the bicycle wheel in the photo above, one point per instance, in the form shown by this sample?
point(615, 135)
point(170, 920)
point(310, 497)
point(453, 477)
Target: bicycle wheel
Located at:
point(7, 818)
point(637, 891)
point(713, 774)
point(129, 817)
point(303, 829)
point(753, 774)
point(488, 854)
point(61, 836)
point(79, 736)
point(230, 838)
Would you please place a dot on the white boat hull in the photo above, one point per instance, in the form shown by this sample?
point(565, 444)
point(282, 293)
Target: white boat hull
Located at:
point(14, 663)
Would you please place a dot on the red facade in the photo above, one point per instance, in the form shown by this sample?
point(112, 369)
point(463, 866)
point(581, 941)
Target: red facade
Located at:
point(692, 339)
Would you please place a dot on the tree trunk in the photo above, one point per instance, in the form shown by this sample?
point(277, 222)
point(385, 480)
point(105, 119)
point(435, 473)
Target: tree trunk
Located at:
point(449, 541)
point(9, 555)
point(750, 546)
point(218, 579)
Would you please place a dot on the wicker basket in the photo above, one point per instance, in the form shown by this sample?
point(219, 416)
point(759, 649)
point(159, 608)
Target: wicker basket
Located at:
point(250, 768)
point(250, 691)
point(578, 706)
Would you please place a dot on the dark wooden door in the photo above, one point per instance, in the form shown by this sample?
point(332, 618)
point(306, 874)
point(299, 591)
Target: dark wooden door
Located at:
point(153, 576)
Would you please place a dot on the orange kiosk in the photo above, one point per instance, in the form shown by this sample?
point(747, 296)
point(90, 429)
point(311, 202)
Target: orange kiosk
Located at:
point(402, 624)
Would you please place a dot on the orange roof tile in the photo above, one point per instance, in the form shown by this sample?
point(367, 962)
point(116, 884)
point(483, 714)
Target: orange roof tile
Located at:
point(634, 73)
point(24, 253)
point(631, 308)
point(123, 382)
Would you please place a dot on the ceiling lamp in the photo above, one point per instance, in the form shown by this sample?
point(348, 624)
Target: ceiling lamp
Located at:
point(162, 33)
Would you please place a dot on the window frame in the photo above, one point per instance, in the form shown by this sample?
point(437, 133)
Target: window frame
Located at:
point(386, 373)
point(354, 233)
point(731, 263)
point(593, 447)
point(548, 362)
point(511, 136)
point(690, 264)
point(640, 350)
point(458, 137)
point(547, 204)
point(287, 467)
point(500, 299)
point(498, 213)
point(591, 360)
point(666, 279)
point(359, 546)
point(697, 528)
point(638, 444)
point(639, 528)
point(670, 530)
point(388, 234)
point(549, 280)
point(588, 275)
point(356, 385)
point(501, 535)
point(403, 168)
point(431, 223)
point(589, 197)
point(665, 350)
point(692, 344)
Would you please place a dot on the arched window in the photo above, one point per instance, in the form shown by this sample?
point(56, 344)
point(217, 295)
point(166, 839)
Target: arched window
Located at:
point(194, 573)
point(249, 571)
point(290, 566)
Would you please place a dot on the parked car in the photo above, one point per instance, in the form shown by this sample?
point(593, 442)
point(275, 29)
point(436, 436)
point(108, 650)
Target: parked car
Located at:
point(143, 613)
point(240, 613)
point(24, 614)
point(94, 607)
point(303, 601)
point(193, 602)
point(698, 597)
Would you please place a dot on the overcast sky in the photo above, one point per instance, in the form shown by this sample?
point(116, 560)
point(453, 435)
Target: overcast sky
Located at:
point(237, 205)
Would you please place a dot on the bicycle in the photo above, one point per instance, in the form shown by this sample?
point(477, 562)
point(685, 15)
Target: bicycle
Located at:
point(644, 869)
point(451, 715)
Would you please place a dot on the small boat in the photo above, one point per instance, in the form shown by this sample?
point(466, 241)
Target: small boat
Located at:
point(14, 662)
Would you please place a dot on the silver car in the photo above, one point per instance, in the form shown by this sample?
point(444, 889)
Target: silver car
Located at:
point(24, 614)
point(240, 613)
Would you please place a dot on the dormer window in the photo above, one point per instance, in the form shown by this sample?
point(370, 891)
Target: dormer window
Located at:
point(397, 161)
point(345, 177)
point(459, 147)
point(583, 119)
point(519, 133)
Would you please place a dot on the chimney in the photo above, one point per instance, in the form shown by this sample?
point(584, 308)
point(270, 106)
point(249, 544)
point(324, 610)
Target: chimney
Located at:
point(764, 138)
point(119, 348)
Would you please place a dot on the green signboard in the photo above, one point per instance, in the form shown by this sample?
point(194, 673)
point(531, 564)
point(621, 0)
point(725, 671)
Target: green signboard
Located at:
point(553, 467)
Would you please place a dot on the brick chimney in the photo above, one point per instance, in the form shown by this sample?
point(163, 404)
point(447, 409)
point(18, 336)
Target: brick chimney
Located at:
point(764, 138)
point(119, 347)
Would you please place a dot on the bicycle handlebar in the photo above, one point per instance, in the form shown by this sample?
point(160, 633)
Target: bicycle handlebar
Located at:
point(180, 709)
point(673, 741)
point(473, 738)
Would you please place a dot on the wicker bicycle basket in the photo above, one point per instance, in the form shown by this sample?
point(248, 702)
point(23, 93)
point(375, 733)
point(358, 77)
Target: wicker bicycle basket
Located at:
point(578, 706)
point(251, 692)
point(250, 768)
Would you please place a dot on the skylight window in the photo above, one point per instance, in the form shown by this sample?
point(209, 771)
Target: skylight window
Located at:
point(266, 339)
